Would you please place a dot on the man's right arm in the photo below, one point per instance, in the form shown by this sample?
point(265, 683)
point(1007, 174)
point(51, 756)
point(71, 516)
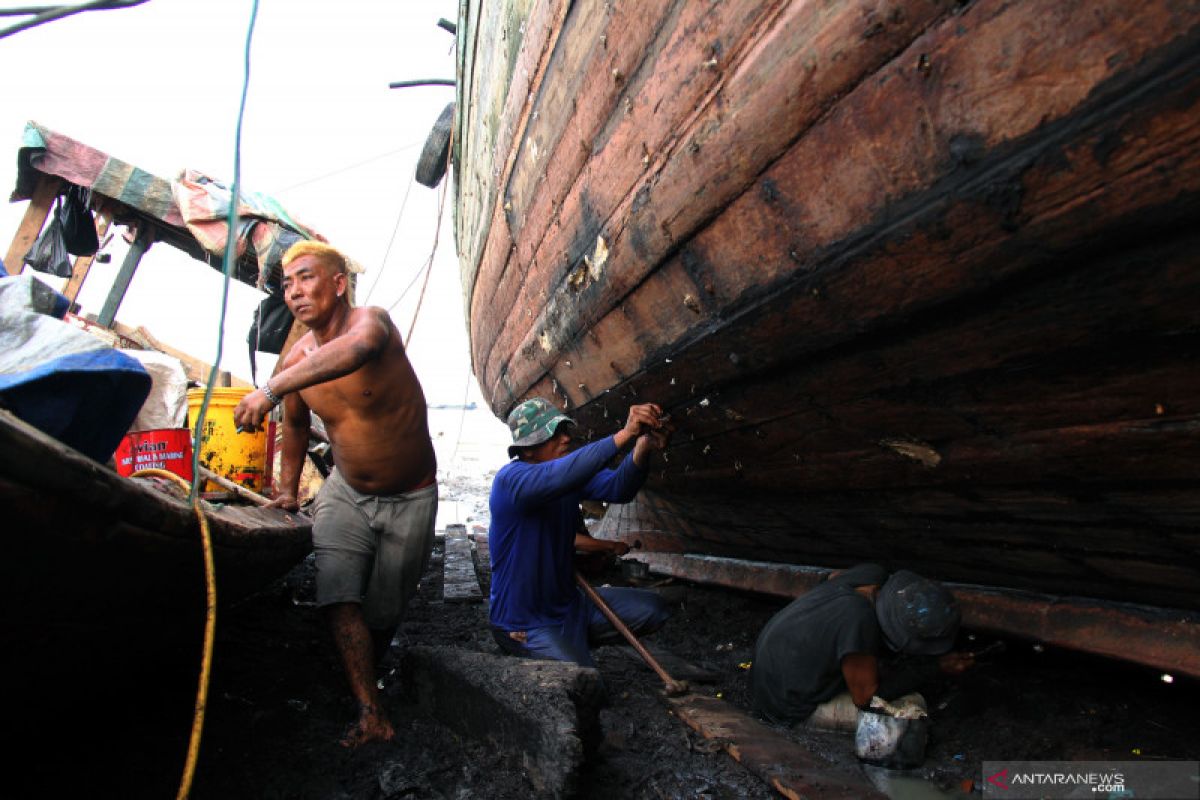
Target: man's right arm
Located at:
point(366, 337)
point(861, 673)
point(533, 484)
point(530, 485)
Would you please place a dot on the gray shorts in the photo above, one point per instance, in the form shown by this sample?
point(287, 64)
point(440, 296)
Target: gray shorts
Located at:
point(371, 549)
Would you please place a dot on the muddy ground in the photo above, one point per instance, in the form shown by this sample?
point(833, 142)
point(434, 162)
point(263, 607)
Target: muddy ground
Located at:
point(96, 724)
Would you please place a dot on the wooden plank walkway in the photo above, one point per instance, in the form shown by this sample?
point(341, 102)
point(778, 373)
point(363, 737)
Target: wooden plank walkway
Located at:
point(459, 582)
point(789, 768)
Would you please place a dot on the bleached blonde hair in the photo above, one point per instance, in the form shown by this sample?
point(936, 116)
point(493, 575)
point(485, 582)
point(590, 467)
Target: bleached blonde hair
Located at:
point(328, 254)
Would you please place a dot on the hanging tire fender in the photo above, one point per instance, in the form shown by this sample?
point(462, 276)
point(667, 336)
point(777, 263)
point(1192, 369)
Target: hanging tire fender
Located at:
point(431, 166)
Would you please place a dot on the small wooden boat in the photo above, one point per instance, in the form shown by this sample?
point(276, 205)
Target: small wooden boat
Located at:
point(916, 280)
point(90, 551)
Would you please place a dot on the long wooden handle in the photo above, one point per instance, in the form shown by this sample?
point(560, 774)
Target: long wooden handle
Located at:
point(236, 488)
point(595, 597)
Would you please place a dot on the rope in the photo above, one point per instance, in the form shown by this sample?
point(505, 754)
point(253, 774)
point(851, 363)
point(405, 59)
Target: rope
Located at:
point(428, 264)
point(428, 267)
point(462, 418)
point(210, 630)
point(347, 168)
point(391, 241)
point(416, 277)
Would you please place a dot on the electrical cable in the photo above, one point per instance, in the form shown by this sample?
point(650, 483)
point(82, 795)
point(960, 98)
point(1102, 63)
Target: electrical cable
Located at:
point(44, 14)
point(347, 168)
point(230, 257)
point(189, 769)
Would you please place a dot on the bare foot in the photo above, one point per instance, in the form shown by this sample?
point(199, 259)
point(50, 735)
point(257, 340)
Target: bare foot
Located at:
point(372, 726)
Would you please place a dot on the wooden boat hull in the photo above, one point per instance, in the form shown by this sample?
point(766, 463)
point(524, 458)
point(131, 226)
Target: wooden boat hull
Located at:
point(89, 553)
point(917, 280)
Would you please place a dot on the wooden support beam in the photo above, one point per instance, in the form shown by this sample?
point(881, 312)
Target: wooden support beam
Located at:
point(83, 264)
point(145, 236)
point(459, 582)
point(195, 369)
point(31, 224)
point(788, 767)
point(1166, 639)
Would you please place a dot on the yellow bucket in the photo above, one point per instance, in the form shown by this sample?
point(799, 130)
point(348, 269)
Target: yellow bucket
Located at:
point(241, 457)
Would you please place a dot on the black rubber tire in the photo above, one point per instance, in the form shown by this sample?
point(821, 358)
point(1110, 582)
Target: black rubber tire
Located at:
point(431, 166)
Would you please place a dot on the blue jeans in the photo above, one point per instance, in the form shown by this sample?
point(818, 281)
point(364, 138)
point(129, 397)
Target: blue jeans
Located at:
point(642, 612)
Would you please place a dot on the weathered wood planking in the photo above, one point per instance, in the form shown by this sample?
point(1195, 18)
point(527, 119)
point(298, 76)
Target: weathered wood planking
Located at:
point(646, 145)
point(459, 582)
point(600, 44)
point(971, 540)
point(88, 546)
point(31, 223)
point(715, 364)
point(823, 148)
point(559, 117)
point(915, 280)
point(787, 767)
point(1158, 638)
point(1100, 167)
point(494, 78)
point(988, 374)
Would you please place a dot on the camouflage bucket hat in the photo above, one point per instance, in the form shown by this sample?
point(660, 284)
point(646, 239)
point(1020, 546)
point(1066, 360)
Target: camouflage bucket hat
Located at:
point(534, 422)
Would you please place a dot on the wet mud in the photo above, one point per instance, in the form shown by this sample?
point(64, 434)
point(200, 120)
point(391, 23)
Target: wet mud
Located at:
point(90, 721)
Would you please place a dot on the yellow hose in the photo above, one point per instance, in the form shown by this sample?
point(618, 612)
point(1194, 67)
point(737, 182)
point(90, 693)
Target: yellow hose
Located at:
point(210, 627)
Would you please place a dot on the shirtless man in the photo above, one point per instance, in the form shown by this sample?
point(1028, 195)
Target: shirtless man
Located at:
point(373, 519)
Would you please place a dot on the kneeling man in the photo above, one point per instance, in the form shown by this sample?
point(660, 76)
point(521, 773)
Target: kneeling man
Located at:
point(820, 659)
point(537, 610)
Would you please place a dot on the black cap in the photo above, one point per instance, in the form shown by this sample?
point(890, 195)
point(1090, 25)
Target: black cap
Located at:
point(918, 616)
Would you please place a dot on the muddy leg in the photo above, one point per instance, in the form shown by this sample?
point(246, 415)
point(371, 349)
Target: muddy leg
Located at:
point(381, 640)
point(353, 640)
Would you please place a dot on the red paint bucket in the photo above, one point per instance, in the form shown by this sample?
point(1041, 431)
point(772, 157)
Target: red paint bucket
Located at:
point(165, 448)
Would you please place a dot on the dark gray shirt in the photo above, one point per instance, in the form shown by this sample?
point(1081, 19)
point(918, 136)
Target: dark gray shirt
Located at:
point(798, 656)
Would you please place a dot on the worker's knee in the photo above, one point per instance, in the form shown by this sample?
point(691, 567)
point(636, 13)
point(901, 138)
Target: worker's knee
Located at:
point(544, 643)
point(641, 610)
point(657, 615)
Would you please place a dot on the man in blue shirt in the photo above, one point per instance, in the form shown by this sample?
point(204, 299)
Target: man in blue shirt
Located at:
point(536, 608)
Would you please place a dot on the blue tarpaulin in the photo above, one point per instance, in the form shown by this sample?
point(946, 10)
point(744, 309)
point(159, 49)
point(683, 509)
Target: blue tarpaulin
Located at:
point(85, 400)
point(61, 380)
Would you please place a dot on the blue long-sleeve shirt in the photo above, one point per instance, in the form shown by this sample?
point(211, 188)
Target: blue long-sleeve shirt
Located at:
point(535, 511)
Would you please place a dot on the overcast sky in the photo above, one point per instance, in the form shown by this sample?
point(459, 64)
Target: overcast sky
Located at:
point(158, 86)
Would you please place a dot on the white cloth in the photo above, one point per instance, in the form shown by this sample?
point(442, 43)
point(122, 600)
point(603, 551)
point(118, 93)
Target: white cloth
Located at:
point(167, 404)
